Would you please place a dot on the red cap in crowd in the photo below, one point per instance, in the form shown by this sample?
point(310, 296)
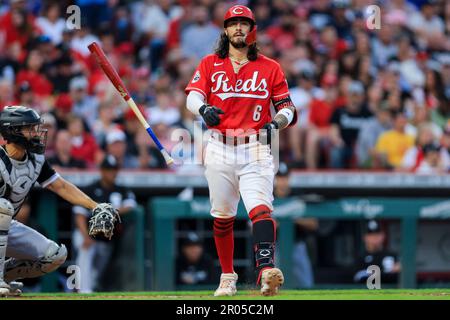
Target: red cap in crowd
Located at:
point(329, 80)
point(64, 102)
point(126, 48)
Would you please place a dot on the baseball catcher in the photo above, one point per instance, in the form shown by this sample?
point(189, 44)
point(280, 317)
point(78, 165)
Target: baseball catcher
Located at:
point(24, 252)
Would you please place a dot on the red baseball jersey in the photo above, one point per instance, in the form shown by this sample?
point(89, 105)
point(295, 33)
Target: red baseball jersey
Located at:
point(245, 96)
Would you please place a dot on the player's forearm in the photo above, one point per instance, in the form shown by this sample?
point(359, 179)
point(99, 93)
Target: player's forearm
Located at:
point(284, 117)
point(78, 197)
point(72, 194)
point(194, 102)
point(286, 111)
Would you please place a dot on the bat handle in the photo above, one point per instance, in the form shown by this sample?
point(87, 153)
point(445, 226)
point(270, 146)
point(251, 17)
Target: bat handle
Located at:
point(167, 157)
point(163, 151)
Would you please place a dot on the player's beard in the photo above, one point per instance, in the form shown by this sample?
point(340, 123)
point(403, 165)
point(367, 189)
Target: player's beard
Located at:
point(239, 44)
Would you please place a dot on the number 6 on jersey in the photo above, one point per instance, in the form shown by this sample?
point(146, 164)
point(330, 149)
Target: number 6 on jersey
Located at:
point(257, 113)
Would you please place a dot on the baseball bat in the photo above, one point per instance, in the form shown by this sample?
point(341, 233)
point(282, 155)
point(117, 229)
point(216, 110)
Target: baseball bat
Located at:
point(112, 75)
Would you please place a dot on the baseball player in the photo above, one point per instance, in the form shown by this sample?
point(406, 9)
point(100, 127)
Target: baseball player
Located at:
point(22, 164)
point(232, 90)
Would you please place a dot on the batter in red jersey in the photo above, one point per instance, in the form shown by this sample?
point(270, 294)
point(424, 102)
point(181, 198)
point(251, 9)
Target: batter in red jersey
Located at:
point(233, 90)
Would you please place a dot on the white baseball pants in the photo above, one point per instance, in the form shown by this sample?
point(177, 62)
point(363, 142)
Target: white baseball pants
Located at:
point(246, 169)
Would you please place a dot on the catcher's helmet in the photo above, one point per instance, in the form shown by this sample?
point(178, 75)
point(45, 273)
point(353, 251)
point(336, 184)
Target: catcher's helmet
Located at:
point(239, 11)
point(13, 119)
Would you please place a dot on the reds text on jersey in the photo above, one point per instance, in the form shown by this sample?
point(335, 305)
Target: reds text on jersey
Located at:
point(245, 96)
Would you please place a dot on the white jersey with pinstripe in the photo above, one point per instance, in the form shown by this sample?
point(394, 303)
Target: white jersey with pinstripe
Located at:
point(18, 177)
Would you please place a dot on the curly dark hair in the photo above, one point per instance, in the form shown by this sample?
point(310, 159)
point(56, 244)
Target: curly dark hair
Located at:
point(224, 44)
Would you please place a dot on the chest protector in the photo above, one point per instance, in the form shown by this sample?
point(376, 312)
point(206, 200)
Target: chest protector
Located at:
point(18, 177)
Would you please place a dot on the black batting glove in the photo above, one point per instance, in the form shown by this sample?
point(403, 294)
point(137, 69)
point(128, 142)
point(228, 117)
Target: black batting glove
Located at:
point(267, 131)
point(210, 114)
point(273, 125)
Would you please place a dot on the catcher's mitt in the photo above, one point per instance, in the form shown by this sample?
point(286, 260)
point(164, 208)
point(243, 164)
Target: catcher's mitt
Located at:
point(103, 220)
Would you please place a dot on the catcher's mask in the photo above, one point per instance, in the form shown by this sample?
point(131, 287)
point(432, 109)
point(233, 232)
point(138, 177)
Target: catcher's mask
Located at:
point(22, 126)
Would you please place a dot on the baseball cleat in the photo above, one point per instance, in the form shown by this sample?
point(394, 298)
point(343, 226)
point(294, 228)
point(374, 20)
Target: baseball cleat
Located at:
point(271, 281)
point(227, 286)
point(4, 289)
point(13, 289)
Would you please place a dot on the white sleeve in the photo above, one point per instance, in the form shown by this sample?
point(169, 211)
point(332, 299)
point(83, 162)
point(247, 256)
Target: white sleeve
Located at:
point(130, 200)
point(80, 210)
point(409, 158)
point(194, 101)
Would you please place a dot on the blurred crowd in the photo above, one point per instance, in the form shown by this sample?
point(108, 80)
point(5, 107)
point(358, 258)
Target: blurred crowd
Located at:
point(369, 98)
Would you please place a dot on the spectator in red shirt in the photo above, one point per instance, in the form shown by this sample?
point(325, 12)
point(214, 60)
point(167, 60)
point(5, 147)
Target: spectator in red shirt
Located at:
point(84, 146)
point(176, 27)
point(329, 44)
point(63, 157)
point(283, 35)
point(18, 25)
point(321, 109)
point(39, 83)
point(62, 110)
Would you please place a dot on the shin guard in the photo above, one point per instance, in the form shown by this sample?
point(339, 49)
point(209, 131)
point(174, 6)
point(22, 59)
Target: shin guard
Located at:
point(263, 239)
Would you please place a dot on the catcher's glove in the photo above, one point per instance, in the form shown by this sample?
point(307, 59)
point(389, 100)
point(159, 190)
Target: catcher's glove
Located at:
point(103, 220)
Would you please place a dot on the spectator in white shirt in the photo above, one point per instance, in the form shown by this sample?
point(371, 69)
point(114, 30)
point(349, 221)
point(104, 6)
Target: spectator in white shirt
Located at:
point(84, 105)
point(415, 155)
point(82, 38)
point(428, 26)
point(152, 20)
point(431, 163)
point(51, 23)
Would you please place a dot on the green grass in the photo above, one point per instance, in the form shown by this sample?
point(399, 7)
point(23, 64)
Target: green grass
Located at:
point(391, 294)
